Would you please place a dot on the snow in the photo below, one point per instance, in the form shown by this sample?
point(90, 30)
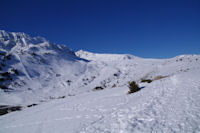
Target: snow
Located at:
point(61, 82)
point(38, 62)
point(104, 57)
point(166, 105)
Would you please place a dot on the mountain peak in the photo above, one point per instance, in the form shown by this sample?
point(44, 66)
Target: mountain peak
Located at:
point(104, 57)
point(3, 33)
point(19, 37)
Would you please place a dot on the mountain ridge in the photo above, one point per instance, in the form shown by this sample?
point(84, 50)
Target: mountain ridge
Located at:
point(34, 69)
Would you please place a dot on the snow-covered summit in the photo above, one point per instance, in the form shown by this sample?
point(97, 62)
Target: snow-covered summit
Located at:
point(10, 39)
point(104, 57)
point(21, 41)
point(34, 65)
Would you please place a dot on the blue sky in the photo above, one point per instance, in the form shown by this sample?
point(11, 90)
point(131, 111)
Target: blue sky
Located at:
point(145, 28)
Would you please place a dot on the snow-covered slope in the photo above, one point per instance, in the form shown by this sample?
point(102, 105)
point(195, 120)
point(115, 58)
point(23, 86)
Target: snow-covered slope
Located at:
point(35, 69)
point(118, 70)
point(61, 82)
point(167, 105)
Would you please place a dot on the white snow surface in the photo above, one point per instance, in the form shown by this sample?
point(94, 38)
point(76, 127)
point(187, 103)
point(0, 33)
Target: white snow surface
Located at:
point(168, 104)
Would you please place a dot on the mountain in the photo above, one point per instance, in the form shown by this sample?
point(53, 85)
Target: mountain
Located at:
point(33, 68)
point(58, 90)
point(104, 57)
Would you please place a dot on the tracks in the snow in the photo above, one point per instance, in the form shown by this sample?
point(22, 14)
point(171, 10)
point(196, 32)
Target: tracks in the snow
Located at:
point(170, 108)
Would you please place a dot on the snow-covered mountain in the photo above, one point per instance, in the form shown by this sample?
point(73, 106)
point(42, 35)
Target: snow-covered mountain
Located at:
point(64, 84)
point(104, 57)
point(33, 68)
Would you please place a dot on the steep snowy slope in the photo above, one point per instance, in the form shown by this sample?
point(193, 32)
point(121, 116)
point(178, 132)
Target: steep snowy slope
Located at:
point(34, 69)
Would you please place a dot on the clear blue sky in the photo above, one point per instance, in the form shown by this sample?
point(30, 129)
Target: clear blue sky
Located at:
point(145, 28)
